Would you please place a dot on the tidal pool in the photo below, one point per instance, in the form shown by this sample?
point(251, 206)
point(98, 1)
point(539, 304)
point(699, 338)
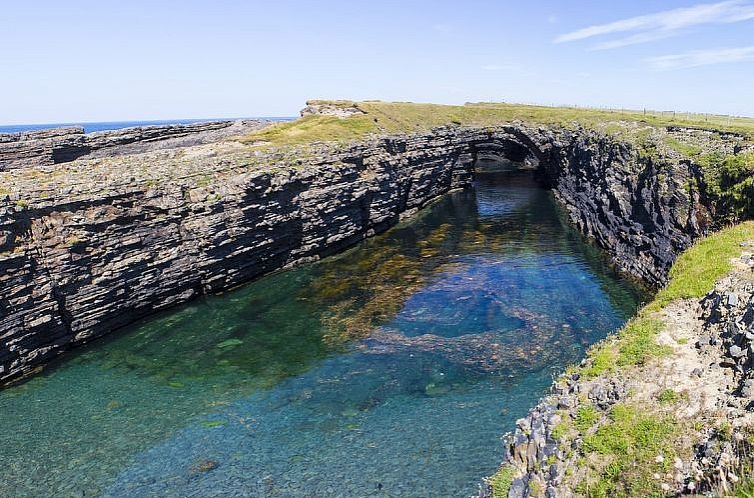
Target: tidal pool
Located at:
point(390, 370)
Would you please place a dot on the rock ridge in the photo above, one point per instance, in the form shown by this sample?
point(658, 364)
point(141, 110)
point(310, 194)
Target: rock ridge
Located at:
point(61, 145)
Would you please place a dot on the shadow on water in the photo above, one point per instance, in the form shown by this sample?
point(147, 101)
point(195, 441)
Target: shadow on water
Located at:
point(355, 376)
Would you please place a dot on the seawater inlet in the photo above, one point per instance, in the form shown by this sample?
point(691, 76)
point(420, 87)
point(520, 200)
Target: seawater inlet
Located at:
point(392, 369)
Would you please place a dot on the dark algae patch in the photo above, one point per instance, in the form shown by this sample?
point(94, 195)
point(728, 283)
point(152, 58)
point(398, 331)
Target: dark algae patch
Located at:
point(358, 375)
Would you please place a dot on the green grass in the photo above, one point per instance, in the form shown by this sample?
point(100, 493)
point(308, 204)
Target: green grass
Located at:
point(501, 481)
point(744, 490)
point(698, 268)
point(315, 129)
point(635, 344)
point(393, 117)
point(684, 149)
point(601, 360)
point(668, 397)
point(586, 417)
point(730, 183)
point(691, 277)
point(627, 447)
point(560, 430)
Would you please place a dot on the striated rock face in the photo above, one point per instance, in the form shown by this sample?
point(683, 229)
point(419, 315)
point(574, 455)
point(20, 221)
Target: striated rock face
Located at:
point(92, 245)
point(644, 212)
point(99, 254)
point(60, 145)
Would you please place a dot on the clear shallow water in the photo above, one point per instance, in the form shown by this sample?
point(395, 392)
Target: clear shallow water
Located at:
point(114, 125)
point(390, 370)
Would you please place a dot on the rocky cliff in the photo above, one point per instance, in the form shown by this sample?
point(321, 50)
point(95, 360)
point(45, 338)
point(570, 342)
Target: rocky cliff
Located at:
point(643, 210)
point(94, 245)
point(60, 145)
point(91, 245)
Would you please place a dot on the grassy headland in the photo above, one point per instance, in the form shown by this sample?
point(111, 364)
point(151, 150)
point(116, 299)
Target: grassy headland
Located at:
point(376, 117)
point(728, 167)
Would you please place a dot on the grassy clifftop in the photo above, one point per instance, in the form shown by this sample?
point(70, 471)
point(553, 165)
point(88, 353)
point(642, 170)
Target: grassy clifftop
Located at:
point(704, 140)
point(371, 117)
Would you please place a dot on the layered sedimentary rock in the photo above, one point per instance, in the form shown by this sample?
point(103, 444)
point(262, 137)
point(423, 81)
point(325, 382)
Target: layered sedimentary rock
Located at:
point(643, 211)
point(91, 245)
point(60, 145)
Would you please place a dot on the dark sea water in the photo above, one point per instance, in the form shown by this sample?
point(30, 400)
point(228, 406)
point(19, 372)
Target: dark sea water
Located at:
point(117, 125)
point(391, 370)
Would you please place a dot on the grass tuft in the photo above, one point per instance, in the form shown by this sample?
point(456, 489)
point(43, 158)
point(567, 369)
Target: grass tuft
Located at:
point(501, 482)
point(586, 417)
point(668, 397)
point(637, 342)
point(628, 447)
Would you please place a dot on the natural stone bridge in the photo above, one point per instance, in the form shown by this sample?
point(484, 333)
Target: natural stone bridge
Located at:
point(89, 246)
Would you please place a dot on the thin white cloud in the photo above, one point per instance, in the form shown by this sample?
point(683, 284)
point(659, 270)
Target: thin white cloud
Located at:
point(632, 40)
point(651, 27)
point(698, 58)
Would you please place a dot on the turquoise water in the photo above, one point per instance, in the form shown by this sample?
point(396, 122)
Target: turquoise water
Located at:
point(390, 370)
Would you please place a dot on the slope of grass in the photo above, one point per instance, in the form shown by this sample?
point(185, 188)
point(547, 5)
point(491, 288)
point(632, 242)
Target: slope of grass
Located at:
point(691, 277)
point(315, 129)
point(697, 269)
point(501, 482)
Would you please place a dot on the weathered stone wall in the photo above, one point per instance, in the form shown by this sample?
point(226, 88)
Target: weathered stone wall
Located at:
point(90, 246)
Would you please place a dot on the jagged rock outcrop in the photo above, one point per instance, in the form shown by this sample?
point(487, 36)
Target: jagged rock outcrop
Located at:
point(338, 109)
point(89, 246)
point(60, 145)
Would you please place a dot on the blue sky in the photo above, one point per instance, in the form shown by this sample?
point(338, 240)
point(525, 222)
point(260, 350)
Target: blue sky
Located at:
point(81, 60)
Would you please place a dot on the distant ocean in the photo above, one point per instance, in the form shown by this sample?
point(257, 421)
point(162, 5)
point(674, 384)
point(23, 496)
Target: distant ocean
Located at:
point(117, 125)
